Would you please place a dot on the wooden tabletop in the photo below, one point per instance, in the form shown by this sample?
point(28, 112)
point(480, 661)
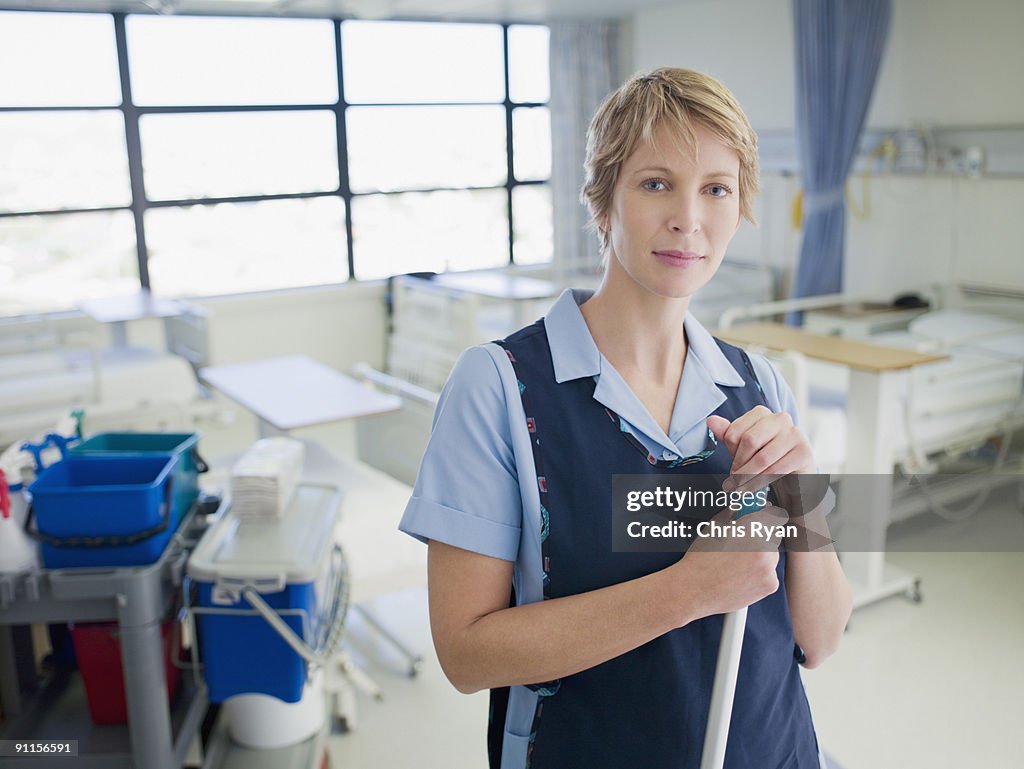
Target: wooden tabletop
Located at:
point(834, 349)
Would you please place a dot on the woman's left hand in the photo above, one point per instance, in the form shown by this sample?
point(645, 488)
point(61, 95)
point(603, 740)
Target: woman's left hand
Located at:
point(764, 447)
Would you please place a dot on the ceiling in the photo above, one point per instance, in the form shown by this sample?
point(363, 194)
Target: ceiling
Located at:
point(484, 10)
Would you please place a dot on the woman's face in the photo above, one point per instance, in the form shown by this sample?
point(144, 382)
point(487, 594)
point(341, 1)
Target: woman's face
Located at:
point(673, 213)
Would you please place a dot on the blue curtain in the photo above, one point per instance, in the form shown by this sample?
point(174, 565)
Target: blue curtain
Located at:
point(839, 45)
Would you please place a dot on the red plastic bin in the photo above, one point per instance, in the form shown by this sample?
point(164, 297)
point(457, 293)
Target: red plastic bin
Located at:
point(98, 650)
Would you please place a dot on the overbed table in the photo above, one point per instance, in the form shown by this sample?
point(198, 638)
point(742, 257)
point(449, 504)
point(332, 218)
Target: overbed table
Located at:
point(876, 376)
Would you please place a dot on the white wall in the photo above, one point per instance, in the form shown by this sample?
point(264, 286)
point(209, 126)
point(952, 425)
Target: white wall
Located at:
point(747, 44)
point(337, 325)
point(948, 63)
point(953, 63)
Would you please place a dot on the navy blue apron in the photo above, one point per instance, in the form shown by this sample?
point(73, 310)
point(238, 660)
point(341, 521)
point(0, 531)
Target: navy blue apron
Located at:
point(649, 707)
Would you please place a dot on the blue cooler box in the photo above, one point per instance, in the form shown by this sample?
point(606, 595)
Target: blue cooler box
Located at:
point(287, 561)
point(105, 511)
point(184, 445)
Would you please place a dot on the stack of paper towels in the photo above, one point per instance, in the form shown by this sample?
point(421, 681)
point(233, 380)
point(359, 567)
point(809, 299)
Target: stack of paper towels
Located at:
point(264, 480)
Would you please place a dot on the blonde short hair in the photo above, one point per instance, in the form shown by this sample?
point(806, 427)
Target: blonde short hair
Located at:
point(673, 97)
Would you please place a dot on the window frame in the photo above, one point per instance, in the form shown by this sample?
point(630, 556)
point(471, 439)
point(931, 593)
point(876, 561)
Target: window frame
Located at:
point(132, 113)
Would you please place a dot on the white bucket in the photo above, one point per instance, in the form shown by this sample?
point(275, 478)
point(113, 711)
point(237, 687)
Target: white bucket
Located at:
point(17, 551)
point(262, 722)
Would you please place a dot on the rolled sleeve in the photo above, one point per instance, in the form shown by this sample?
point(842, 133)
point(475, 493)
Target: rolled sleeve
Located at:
point(776, 391)
point(467, 492)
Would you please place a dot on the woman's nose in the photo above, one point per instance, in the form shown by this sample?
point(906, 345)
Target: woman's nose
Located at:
point(685, 217)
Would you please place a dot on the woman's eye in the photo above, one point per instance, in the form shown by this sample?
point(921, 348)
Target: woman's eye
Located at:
point(654, 185)
point(719, 190)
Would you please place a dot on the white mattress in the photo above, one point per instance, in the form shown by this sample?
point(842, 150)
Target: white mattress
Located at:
point(956, 403)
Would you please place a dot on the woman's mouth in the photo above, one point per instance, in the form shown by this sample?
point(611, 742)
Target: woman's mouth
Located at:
point(679, 258)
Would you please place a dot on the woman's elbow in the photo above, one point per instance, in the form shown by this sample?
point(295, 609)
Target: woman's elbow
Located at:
point(819, 646)
point(817, 650)
point(458, 675)
point(814, 658)
point(462, 684)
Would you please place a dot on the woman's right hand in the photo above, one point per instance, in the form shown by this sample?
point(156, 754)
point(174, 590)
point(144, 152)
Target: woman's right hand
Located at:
point(720, 574)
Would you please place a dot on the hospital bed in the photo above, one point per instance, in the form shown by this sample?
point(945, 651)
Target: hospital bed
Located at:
point(900, 404)
point(953, 404)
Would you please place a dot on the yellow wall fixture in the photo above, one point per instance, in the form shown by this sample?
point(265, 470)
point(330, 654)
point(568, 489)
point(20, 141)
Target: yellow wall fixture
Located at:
point(796, 212)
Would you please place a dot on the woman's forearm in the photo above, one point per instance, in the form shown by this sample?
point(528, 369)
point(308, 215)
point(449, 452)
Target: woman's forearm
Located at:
point(482, 643)
point(555, 638)
point(820, 602)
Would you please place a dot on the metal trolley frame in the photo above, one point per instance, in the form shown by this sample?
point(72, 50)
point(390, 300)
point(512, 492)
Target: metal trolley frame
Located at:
point(138, 598)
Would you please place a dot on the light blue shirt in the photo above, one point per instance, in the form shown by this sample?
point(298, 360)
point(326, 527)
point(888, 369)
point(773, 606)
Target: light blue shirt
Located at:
point(468, 492)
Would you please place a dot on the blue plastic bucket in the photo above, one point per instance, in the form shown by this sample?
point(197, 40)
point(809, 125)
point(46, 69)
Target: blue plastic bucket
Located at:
point(105, 511)
point(185, 445)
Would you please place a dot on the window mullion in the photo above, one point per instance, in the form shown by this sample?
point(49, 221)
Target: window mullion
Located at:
point(344, 186)
point(510, 180)
point(134, 145)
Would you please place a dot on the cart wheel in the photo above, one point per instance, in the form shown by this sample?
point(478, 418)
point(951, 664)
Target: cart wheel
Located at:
point(914, 594)
point(343, 713)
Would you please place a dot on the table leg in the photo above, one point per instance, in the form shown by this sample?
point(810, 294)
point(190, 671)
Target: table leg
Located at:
point(866, 491)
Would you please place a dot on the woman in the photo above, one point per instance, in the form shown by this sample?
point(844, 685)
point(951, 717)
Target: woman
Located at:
point(605, 658)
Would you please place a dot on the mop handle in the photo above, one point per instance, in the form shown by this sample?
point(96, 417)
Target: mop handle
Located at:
point(724, 689)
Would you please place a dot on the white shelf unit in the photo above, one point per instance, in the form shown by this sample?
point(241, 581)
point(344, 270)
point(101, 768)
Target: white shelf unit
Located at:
point(433, 321)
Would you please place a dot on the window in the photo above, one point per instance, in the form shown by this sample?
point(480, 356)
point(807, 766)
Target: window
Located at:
point(251, 165)
point(63, 164)
point(58, 60)
point(225, 154)
point(435, 184)
point(231, 61)
point(238, 247)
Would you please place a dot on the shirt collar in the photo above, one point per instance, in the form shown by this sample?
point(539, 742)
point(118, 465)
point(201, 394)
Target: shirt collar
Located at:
point(573, 351)
point(575, 355)
point(702, 346)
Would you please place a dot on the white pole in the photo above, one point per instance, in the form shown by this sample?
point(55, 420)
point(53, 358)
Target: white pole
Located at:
point(724, 690)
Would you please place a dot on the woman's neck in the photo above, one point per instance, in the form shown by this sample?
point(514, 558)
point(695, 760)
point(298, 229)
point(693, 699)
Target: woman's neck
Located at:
point(639, 332)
